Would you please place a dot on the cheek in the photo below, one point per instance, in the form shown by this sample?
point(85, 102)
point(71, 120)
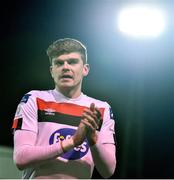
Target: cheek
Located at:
point(55, 74)
point(80, 74)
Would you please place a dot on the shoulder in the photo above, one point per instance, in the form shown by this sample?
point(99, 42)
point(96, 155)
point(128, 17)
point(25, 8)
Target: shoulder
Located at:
point(102, 105)
point(33, 94)
point(97, 102)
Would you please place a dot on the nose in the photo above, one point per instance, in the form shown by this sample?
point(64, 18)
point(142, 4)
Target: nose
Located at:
point(65, 66)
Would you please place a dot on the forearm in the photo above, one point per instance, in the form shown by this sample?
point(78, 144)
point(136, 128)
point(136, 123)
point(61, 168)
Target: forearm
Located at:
point(104, 158)
point(27, 154)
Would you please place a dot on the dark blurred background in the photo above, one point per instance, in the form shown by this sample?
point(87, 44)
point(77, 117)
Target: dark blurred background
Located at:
point(135, 76)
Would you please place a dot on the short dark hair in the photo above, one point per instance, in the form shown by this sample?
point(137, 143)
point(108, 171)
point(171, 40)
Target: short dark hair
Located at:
point(66, 46)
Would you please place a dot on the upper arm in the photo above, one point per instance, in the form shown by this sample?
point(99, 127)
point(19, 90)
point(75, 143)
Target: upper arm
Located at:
point(26, 114)
point(107, 132)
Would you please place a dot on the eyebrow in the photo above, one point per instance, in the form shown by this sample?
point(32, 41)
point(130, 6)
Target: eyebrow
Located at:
point(69, 59)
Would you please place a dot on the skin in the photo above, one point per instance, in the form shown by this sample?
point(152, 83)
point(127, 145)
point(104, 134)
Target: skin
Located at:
point(68, 71)
point(69, 65)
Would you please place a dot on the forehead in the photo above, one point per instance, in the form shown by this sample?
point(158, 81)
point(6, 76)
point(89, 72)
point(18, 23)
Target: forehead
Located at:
point(73, 55)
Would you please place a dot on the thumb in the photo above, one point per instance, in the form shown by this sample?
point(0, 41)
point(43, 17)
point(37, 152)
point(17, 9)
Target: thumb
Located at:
point(92, 107)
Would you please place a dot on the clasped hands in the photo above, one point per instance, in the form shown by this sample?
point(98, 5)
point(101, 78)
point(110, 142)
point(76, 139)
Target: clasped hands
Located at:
point(91, 120)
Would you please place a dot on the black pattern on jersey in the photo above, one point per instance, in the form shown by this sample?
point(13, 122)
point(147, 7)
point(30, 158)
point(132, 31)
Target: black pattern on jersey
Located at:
point(56, 117)
point(60, 118)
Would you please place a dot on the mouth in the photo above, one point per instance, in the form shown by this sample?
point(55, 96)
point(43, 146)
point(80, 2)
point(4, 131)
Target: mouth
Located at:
point(66, 77)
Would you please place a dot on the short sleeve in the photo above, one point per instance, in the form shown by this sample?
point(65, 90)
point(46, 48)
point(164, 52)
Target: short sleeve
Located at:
point(26, 114)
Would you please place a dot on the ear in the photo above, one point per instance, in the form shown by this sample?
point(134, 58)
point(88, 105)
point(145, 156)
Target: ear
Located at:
point(51, 71)
point(86, 69)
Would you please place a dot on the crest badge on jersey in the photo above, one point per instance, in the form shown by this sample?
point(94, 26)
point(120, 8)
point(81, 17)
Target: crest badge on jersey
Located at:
point(25, 98)
point(65, 133)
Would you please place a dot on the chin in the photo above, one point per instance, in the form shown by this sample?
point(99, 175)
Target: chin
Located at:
point(67, 86)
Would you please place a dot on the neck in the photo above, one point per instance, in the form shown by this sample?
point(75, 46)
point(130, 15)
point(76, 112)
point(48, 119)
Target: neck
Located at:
point(70, 92)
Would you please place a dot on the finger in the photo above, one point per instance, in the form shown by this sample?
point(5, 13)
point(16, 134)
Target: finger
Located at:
point(97, 112)
point(88, 125)
point(94, 116)
point(93, 111)
point(90, 113)
point(90, 119)
point(92, 107)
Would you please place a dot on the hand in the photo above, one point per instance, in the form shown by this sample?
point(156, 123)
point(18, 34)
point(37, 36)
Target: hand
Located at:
point(80, 134)
point(92, 119)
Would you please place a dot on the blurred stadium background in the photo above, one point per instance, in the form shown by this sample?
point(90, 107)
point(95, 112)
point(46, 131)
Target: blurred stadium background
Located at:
point(134, 74)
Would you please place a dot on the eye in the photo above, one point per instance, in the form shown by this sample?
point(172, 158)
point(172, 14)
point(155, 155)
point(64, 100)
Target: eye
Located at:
point(58, 63)
point(73, 61)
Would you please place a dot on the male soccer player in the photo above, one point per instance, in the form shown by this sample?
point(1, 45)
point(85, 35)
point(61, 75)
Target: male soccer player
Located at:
point(63, 133)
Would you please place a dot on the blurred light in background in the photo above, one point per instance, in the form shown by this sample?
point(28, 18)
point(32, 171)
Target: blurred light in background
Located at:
point(134, 75)
point(141, 21)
